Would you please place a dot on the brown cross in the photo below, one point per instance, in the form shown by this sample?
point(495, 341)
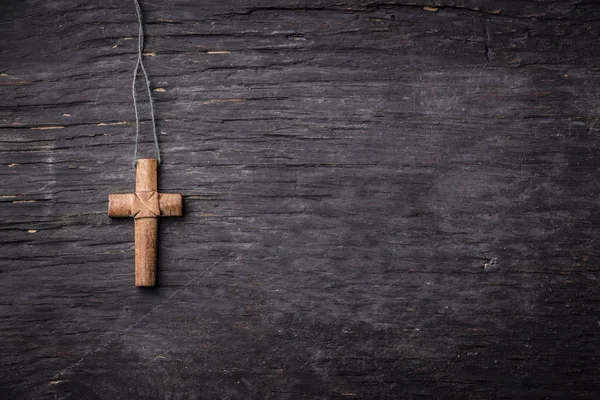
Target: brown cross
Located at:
point(145, 205)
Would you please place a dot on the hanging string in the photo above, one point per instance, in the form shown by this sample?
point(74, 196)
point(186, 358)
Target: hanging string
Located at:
point(140, 65)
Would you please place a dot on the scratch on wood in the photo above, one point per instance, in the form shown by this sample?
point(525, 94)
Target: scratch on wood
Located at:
point(47, 127)
point(223, 101)
point(112, 123)
point(15, 83)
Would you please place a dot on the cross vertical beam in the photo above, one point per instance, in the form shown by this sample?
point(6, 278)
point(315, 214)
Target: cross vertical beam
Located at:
point(146, 228)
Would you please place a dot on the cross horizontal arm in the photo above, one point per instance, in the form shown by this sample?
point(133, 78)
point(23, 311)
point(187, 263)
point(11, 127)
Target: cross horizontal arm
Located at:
point(135, 205)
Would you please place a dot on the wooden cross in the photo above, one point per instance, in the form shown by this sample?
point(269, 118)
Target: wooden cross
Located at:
point(145, 205)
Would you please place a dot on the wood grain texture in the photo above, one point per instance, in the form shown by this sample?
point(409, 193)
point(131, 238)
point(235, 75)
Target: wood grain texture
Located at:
point(145, 234)
point(383, 200)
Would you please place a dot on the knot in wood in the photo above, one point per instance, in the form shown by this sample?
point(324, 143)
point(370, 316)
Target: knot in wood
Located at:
point(145, 205)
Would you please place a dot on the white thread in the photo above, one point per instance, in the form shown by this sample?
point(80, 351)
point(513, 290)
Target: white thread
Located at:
point(140, 64)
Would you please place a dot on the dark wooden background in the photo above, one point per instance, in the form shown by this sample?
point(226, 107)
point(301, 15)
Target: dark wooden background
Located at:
point(383, 200)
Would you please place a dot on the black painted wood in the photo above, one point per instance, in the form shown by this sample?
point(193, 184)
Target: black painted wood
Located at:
point(382, 200)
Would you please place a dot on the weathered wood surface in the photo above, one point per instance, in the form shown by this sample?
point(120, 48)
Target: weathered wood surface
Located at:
point(382, 200)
